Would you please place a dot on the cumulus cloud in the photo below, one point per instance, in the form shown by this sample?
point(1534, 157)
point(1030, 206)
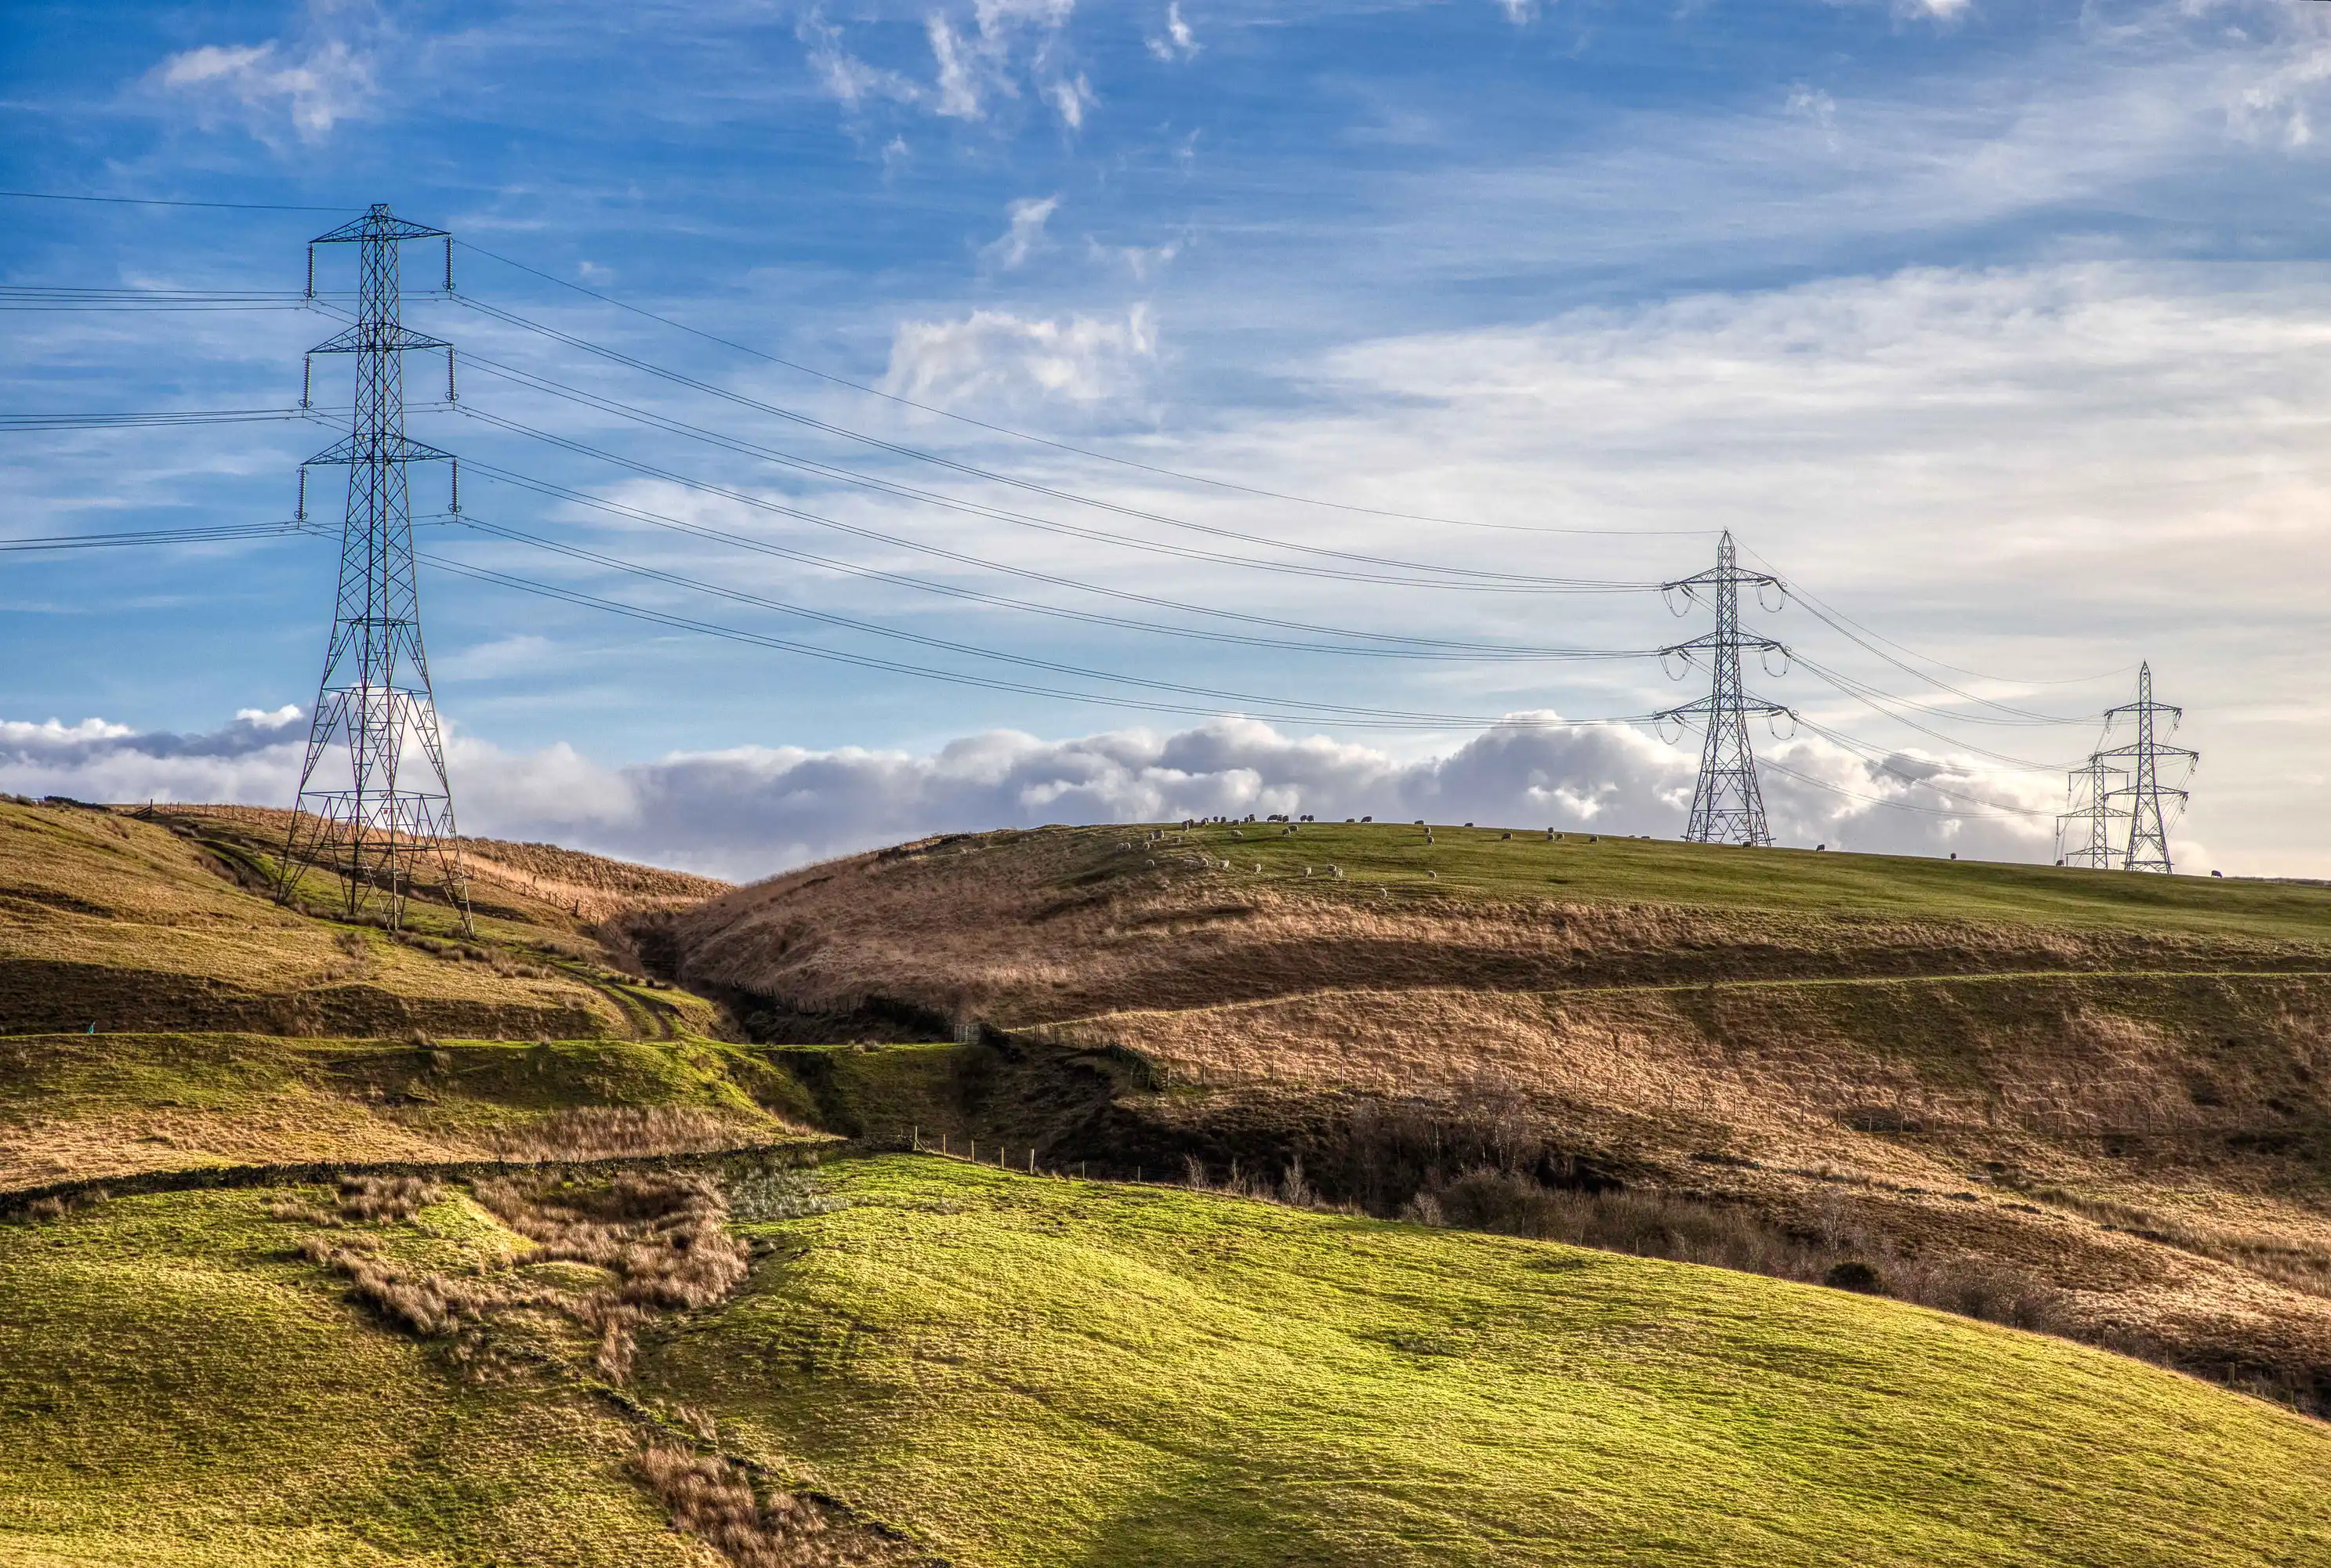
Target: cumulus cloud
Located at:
point(1022, 237)
point(1178, 42)
point(752, 810)
point(306, 87)
point(999, 356)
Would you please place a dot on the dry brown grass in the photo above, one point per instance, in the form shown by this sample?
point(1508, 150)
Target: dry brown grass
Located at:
point(1015, 930)
point(123, 923)
point(714, 1500)
point(386, 1198)
point(605, 1132)
point(582, 887)
point(663, 1237)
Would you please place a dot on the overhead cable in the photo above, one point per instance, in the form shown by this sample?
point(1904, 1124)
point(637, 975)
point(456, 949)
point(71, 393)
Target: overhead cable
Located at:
point(687, 624)
point(1408, 647)
point(994, 476)
point(1060, 445)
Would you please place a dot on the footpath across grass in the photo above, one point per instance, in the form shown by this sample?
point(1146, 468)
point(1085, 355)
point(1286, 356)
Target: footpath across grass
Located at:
point(1025, 1371)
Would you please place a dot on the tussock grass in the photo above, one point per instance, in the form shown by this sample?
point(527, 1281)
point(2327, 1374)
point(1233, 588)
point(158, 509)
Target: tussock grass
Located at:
point(600, 1132)
point(713, 1500)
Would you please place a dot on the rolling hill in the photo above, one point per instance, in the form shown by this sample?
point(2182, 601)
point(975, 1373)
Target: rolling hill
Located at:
point(335, 1245)
point(2088, 1100)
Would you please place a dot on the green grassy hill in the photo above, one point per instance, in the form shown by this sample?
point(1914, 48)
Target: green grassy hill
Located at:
point(1018, 1370)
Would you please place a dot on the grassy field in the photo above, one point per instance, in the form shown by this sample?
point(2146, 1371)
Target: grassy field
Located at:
point(1016, 1370)
point(1478, 862)
point(178, 1388)
point(1024, 1370)
point(79, 1105)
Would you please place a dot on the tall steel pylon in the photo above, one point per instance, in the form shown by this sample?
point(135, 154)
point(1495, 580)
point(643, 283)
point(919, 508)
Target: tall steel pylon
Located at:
point(368, 825)
point(2148, 828)
point(2084, 833)
point(1726, 806)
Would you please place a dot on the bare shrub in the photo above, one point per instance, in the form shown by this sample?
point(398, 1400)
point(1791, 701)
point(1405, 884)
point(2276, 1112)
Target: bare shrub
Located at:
point(386, 1198)
point(1836, 1252)
point(605, 1132)
point(663, 1236)
point(41, 1210)
point(760, 1195)
point(713, 1500)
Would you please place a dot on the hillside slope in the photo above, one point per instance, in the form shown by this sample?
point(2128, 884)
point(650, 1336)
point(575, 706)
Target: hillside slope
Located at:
point(2098, 1101)
point(963, 1364)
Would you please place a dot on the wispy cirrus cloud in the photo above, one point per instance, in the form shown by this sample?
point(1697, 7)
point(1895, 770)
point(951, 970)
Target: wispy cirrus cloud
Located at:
point(1022, 237)
point(1011, 358)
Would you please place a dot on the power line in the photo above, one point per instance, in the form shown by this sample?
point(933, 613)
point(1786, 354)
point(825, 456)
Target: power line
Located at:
point(146, 421)
point(1412, 647)
point(1824, 611)
point(1055, 667)
point(998, 477)
point(1066, 529)
point(682, 622)
point(158, 202)
point(823, 469)
point(1059, 445)
point(211, 534)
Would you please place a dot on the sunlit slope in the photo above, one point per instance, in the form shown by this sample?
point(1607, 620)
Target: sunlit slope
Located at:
point(112, 923)
point(1023, 1371)
point(1022, 927)
point(180, 1389)
point(99, 1105)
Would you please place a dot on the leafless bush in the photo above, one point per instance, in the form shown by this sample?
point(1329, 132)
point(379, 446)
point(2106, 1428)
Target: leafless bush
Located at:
point(1837, 1252)
point(663, 1236)
point(386, 1198)
point(758, 1196)
point(605, 1132)
point(713, 1500)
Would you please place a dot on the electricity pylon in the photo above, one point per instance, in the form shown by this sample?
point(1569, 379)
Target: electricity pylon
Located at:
point(2149, 829)
point(2084, 833)
point(375, 698)
point(1727, 807)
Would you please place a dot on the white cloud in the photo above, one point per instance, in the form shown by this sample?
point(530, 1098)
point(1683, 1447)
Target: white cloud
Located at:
point(1143, 262)
point(1178, 42)
point(266, 87)
point(996, 354)
point(752, 810)
point(851, 80)
point(1071, 96)
point(1002, 50)
point(1024, 236)
point(1520, 13)
point(2275, 109)
point(958, 89)
point(1817, 107)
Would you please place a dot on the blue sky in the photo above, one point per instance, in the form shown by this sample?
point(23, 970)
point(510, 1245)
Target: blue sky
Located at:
point(1998, 328)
